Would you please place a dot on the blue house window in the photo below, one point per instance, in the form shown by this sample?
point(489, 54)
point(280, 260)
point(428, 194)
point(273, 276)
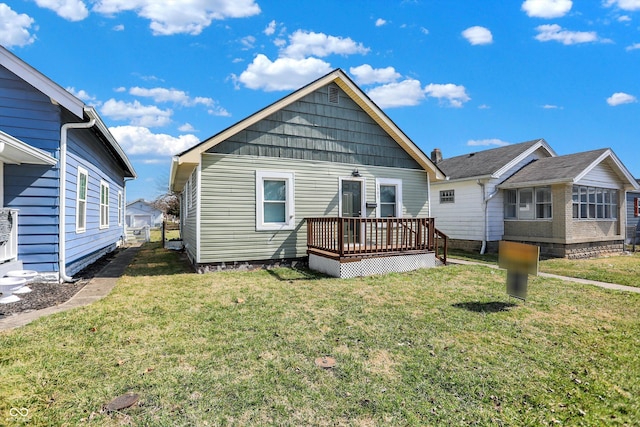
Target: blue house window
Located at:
point(81, 200)
point(104, 204)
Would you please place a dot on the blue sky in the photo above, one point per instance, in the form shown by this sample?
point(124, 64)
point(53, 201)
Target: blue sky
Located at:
point(459, 75)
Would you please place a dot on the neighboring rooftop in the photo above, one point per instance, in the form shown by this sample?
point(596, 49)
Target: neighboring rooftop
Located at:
point(486, 162)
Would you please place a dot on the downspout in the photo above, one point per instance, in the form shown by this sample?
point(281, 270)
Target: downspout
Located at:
point(485, 203)
point(63, 195)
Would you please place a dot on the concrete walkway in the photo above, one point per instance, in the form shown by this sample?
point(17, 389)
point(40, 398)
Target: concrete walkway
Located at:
point(96, 289)
point(605, 285)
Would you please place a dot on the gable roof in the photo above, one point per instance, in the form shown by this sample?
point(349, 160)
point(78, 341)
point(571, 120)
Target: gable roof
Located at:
point(62, 97)
point(491, 163)
point(184, 163)
point(569, 168)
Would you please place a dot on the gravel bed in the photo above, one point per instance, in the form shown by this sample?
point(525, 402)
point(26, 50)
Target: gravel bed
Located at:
point(48, 294)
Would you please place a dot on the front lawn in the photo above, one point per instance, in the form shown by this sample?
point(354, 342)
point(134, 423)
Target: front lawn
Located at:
point(443, 346)
point(623, 269)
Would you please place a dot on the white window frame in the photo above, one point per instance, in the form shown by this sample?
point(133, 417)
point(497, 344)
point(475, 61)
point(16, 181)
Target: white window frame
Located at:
point(119, 208)
point(290, 220)
point(447, 196)
point(391, 182)
point(104, 207)
point(81, 205)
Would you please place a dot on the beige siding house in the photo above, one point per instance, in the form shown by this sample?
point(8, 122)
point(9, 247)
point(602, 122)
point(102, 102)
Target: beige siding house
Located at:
point(571, 206)
point(250, 193)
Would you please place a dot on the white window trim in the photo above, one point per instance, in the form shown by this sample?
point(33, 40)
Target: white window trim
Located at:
point(289, 224)
point(119, 208)
point(390, 182)
point(104, 224)
point(79, 229)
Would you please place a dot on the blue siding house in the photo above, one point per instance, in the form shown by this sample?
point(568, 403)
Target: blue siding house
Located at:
point(62, 173)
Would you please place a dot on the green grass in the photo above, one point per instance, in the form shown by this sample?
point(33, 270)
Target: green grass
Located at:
point(443, 346)
point(620, 269)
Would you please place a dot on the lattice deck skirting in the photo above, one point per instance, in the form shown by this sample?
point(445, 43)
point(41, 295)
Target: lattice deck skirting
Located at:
point(369, 266)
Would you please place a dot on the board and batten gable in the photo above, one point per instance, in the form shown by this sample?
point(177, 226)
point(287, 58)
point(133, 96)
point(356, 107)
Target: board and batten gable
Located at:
point(228, 203)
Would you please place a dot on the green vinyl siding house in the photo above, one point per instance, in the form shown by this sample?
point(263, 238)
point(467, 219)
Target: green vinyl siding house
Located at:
point(253, 192)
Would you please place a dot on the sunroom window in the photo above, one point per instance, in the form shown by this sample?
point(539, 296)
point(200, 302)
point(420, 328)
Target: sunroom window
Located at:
point(528, 203)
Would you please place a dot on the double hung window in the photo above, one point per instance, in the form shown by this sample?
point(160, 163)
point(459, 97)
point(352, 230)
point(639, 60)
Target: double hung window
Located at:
point(274, 201)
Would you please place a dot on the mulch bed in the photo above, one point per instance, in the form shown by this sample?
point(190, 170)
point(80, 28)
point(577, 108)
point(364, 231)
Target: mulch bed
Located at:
point(48, 294)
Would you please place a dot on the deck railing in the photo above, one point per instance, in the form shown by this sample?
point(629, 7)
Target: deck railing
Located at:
point(8, 234)
point(352, 237)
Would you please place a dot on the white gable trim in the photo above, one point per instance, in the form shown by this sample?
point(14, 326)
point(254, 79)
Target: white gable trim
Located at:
point(621, 169)
point(541, 143)
point(14, 151)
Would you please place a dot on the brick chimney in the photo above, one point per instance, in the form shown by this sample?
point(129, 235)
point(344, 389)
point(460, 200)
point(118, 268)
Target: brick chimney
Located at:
point(436, 156)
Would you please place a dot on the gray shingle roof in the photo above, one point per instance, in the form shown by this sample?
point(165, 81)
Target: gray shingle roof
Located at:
point(555, 169)
point(483, 163)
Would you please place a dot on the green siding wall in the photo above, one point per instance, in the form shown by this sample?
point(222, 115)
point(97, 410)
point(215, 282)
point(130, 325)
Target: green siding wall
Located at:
point(313, 128)
point(228, 203)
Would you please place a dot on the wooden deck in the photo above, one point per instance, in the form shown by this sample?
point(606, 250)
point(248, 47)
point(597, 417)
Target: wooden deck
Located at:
point(349, 239)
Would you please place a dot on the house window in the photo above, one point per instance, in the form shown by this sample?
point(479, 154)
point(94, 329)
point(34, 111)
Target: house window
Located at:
point(274, 201)
point(447, 196)
point(636, 210)
point(119, 207)
point(81, 200)
point(104, 204)
point(511, 204)
point(594, 203)
point(389, 195)
point(528, 203)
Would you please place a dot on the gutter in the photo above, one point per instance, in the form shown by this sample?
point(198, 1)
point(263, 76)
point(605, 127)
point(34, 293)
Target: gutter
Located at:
point(63, 193)
point(485, 203)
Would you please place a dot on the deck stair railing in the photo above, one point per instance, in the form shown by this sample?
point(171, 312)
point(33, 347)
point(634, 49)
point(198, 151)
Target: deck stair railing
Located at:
point(356, 237)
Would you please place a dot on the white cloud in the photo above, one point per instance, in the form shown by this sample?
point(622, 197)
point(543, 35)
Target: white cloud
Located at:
point(620, 98)
point(83, 95)
point(187, 127)
point(380, 22)
point(136, 113)
point(624, 18)
point(630, 5)
point(71, 10)
point(180, 17)
point(456, 95)
point(247, 42)
point(14, 27)
point(365, 74)
point(159, 94)
point(401, 94)
point(119, 27)
point(633, 46)
point(555, 32)
point(217, 110)
point(547, 8)
point(423, 30)
point(487, 142)
point(551, 107)
point(137, 140)
point(271, 28)
point(283, 73)
point(303, 43)
point(478, 35)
